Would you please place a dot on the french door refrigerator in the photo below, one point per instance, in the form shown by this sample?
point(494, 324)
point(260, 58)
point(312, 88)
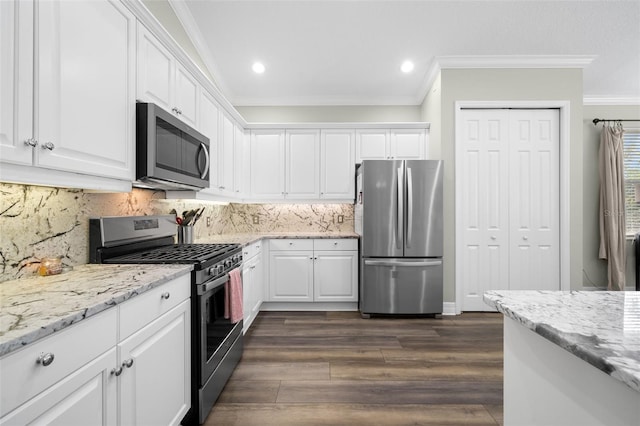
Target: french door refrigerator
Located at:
point(398, 215)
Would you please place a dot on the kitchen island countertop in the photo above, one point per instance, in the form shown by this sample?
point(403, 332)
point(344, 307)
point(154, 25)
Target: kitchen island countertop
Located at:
point(601, 328)
point(35, 307)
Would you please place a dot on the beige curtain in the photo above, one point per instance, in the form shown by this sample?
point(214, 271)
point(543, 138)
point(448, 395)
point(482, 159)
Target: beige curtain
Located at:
point(612, 214)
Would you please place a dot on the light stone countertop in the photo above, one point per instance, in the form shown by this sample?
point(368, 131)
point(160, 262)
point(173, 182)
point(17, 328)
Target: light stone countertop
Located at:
point(35, 307)
point(246, 239)
point(600, 327)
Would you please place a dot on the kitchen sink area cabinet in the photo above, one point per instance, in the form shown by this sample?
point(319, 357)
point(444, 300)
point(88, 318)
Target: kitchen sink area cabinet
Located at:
point(83, 58)
point(252, 283)
point(313, 270)
point(163, 81)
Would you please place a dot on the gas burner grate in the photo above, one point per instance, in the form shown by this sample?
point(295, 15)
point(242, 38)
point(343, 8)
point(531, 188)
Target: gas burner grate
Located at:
point(177, 253)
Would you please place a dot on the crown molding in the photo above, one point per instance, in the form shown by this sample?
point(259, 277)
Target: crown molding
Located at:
point(611, 100)
point(515, 61)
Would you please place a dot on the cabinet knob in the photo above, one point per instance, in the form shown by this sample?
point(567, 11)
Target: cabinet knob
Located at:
point(116, 371)
point(174, 110)
point(525, 238)
point(31, 142)
point(165, 295)
point(335, 243)
point(128, 363)
point(49, 145)
point(493, 237)
point(45, 359)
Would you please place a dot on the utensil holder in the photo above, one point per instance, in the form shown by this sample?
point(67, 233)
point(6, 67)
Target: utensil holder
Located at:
point(185, 234)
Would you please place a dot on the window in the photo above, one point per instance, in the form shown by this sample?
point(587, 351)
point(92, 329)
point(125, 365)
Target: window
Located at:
point(631, 140)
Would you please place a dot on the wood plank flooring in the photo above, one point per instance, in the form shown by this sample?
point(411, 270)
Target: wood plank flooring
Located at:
point(335, 368)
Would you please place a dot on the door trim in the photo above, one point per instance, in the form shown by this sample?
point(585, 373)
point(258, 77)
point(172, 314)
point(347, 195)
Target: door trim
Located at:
point(564, 121)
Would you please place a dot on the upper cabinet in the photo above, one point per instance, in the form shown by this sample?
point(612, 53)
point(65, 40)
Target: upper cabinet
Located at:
point(302, 151)
point(78, 67)
point(267, 163)
point(337, 164)
point(164, 81)
point(384, 144)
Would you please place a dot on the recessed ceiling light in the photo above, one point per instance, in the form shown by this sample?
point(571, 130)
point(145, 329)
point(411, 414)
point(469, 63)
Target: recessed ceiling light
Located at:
point(258, 67)
point(407, 67)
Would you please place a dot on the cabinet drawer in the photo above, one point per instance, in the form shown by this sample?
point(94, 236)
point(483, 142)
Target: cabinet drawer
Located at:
point(23, 377)
point(251, 250)
point(336, 244)
point(141, 310)
point(291, 244)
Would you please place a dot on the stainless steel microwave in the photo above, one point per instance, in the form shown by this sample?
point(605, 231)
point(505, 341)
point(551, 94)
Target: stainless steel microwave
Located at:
point(170, 155)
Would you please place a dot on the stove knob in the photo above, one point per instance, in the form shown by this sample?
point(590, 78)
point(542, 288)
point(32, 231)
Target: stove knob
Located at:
point(211, 271)
point(227, 263)
point(220, 269)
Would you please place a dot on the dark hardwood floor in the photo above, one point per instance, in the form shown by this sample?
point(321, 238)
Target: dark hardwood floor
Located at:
point(335, 368)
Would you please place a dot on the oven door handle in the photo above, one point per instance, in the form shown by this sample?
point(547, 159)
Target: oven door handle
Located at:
point(204, 288)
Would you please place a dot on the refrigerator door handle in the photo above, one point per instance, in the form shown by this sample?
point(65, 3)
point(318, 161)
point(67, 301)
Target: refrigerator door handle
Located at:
point(409, 207)
point(402, 263)
point(400, 209)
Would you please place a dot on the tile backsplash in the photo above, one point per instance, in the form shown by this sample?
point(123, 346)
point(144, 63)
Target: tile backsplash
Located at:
point(38, 221)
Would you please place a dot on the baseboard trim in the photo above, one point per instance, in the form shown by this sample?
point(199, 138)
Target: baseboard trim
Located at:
point(449, 308)
point(309, 306)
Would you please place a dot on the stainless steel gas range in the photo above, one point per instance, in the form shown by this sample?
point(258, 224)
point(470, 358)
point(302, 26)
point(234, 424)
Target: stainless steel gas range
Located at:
point(217, 343)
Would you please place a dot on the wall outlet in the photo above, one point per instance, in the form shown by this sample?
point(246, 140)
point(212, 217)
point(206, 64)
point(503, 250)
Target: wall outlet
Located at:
point(256, 219)
point(208, 221)
point(340, 218)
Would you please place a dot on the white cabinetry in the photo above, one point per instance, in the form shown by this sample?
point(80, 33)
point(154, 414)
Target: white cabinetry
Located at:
point(87, 376)
point(163, 81)
point(226, 154)
point(321, 270)
point(267, 163)
point(284, 165)
point(209, 127)
point(399, 144)
point(83, 55)
point(252, 283)
point(337, 164)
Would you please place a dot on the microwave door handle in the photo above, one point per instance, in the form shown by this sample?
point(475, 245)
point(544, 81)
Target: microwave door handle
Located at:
point(206, 166)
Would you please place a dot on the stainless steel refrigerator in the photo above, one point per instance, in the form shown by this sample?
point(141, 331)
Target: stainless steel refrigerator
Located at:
point(398, 215)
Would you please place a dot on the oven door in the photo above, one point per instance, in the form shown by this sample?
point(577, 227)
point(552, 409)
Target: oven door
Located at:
point(216, 333)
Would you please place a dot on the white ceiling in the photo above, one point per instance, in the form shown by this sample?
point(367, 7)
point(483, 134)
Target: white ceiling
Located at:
point(349, 52)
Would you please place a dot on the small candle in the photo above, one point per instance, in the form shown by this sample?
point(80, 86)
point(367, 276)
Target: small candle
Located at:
point(50, 266)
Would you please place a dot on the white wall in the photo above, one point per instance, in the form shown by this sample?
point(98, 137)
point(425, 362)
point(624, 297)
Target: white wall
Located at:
point(595, 269)
point(431, 111)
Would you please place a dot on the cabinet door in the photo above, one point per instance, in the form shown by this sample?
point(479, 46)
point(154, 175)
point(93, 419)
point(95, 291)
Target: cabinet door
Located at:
point(238, 160)
point(186, 96)
point(337, 164)
point(208, 125)
point(156, 388)
point(16, 81)
point(267, 166)
point(291, 276)
point(408, 144)
point(155, 70)
point(86, 65)
point(225, 166)
point(302, 177)
point(372, 144)
point(258, 286)
point(85, 397)
point(335, 276)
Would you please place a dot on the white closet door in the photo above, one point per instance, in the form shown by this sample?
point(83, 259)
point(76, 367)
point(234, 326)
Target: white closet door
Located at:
point(534, 195)
point(485, 211)
point(509, 208)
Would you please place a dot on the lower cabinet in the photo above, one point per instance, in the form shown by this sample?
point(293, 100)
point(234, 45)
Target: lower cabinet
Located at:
point(252, 283)
point(320, 270)
point(109, 369)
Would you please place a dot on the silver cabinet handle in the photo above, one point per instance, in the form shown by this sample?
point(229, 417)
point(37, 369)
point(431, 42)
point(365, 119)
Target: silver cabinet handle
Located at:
point(128, 363)
point(49, 145)
point(165, 295)
point(525, 238)
point(116, 371)
point(31, 142)
point(45, 359)
point(493, 237)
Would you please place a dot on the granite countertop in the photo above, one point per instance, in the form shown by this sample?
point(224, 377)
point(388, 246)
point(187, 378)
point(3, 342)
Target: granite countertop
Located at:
point(246, 239)
point(602, 328)
point(32, 308)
